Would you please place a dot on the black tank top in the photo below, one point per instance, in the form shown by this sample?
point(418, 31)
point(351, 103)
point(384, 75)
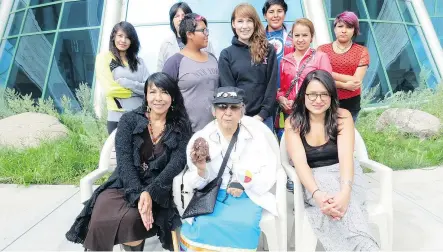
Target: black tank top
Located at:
point(323, 155)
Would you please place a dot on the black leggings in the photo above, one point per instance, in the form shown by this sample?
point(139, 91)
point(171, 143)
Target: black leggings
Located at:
point(111, 126)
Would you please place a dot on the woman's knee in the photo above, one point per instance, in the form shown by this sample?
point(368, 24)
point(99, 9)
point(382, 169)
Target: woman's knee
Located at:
point(133, 243)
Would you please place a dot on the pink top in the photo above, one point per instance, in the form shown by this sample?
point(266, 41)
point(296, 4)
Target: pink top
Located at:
point(289, 68)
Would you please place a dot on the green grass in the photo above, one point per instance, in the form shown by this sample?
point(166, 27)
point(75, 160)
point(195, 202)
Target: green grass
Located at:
point(403, 151)
point(62, 161)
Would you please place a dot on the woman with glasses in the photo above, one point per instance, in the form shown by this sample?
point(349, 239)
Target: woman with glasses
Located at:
point(174, 44)
point(250, 63)
point(349, 60)
point(248, 176)
point(320, 142)
point(195, 70)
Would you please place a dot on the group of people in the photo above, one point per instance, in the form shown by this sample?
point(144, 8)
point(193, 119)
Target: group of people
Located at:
point(192, 112)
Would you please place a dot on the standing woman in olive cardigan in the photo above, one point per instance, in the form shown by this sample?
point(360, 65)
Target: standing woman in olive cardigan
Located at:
point(121, 73)
point(250, 63)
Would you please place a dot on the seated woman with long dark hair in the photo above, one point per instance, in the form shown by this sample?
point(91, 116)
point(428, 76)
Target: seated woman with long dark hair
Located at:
point(320, 141)
point(136, 201)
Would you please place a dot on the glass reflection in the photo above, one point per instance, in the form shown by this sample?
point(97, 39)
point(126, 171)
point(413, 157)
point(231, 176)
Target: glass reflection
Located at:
point(30, 64)
point(356, 6)
point(37, 2)
point(430, 6)
point(14, 23)
point(383, 10)
point(42, 18)
point(438, 26)
point(6, 52)
point(73, 64)
point(407, 10)
point(399, 58)
point(82, 14)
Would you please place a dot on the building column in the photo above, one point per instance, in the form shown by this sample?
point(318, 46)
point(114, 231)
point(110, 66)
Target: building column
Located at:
point(112, 15)
point(315, 11)
point(429, 33)
point(5, 8)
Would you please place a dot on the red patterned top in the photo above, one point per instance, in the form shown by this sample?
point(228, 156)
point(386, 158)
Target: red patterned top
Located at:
point(347, 63)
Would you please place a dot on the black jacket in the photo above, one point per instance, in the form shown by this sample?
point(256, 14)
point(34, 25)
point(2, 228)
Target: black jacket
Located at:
point(127, 175)
point(259, 81)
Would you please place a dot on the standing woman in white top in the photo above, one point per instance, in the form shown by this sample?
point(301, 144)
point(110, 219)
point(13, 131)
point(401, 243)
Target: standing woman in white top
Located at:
point(174, 44)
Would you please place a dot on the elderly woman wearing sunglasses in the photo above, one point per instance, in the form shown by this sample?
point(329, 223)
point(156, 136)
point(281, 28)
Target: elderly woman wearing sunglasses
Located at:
point(249, 174)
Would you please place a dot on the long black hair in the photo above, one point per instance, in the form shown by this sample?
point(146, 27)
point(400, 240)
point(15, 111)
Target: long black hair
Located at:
point(188, 24)
point(176, 115)
point(174, 8)
point(300, 115)
point(134, 48)
point(268, 5)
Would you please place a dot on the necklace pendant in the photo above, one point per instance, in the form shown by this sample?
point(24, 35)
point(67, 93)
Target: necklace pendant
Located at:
point(145, 166)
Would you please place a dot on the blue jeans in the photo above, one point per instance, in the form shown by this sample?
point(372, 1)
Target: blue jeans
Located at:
point(354, 114)
point(269, 122)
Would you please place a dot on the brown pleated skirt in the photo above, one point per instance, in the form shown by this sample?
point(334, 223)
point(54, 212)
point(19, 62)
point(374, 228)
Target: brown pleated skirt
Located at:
point(113, 222)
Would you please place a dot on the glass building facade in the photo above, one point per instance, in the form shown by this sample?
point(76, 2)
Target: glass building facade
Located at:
point(400, 56)
point(154, 28)
point(48, 47)
point(435, 10)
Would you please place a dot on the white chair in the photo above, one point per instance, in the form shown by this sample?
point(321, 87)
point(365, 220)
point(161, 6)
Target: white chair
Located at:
point(274, 228)
point(104, 166)
point(380, 212)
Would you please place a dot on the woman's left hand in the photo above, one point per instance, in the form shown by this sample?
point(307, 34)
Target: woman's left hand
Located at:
point(235, 192)
point(340, 202)
point(145, 209)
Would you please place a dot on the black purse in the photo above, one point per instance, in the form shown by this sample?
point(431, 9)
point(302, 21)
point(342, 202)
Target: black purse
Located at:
point(203, 200)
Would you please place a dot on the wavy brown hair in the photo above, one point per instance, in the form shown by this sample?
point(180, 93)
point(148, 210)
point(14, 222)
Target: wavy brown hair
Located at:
point(258, 41)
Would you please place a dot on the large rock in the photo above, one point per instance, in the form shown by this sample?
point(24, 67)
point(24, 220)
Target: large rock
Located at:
point(28, 129)
point(411, 121)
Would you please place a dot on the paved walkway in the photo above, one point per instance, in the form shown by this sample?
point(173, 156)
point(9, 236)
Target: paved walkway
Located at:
point(37, 217)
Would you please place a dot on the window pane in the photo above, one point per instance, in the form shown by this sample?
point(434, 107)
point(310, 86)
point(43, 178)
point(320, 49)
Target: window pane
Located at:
point(137, 10)
point(15, 22)
point(407, 10)
point(150, 53)
point(73, 64)
point(383, 10)
point(30, 64)
point(82, 14)
point(21, 4)
point(438, 26)
point(335, 7)
point(6, 52)
point(439, 9)
point(430, 6)
point(42, 18)
point(399, 58)
point(37, 2)
point(429, 69)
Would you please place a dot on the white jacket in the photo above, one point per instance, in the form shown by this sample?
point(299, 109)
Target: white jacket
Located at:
point(252, 161)
point(170, 47)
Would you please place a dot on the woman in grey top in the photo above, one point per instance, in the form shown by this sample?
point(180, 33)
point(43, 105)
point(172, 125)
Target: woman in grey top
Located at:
point(121, 73)
point(174, 44)
point(195, 70)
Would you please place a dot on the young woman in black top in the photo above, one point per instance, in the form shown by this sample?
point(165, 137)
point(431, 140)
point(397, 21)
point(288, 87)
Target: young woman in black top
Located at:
point(250, 63)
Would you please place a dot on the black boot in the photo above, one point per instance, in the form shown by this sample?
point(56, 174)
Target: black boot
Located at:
point(139, 247)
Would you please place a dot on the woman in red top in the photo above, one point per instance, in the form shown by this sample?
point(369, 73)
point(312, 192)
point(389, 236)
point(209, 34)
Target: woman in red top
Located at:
point(296, 65)
point(349, 61)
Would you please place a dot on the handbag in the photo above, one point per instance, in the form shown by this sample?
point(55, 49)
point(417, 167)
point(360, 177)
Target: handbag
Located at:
point(203, 200)
point(279, 115)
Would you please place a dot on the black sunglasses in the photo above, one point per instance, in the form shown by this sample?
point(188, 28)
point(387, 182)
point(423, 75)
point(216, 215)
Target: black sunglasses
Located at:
point(233, 107)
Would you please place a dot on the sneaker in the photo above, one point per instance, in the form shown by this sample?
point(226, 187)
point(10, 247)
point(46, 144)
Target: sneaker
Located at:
point(290, 185)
